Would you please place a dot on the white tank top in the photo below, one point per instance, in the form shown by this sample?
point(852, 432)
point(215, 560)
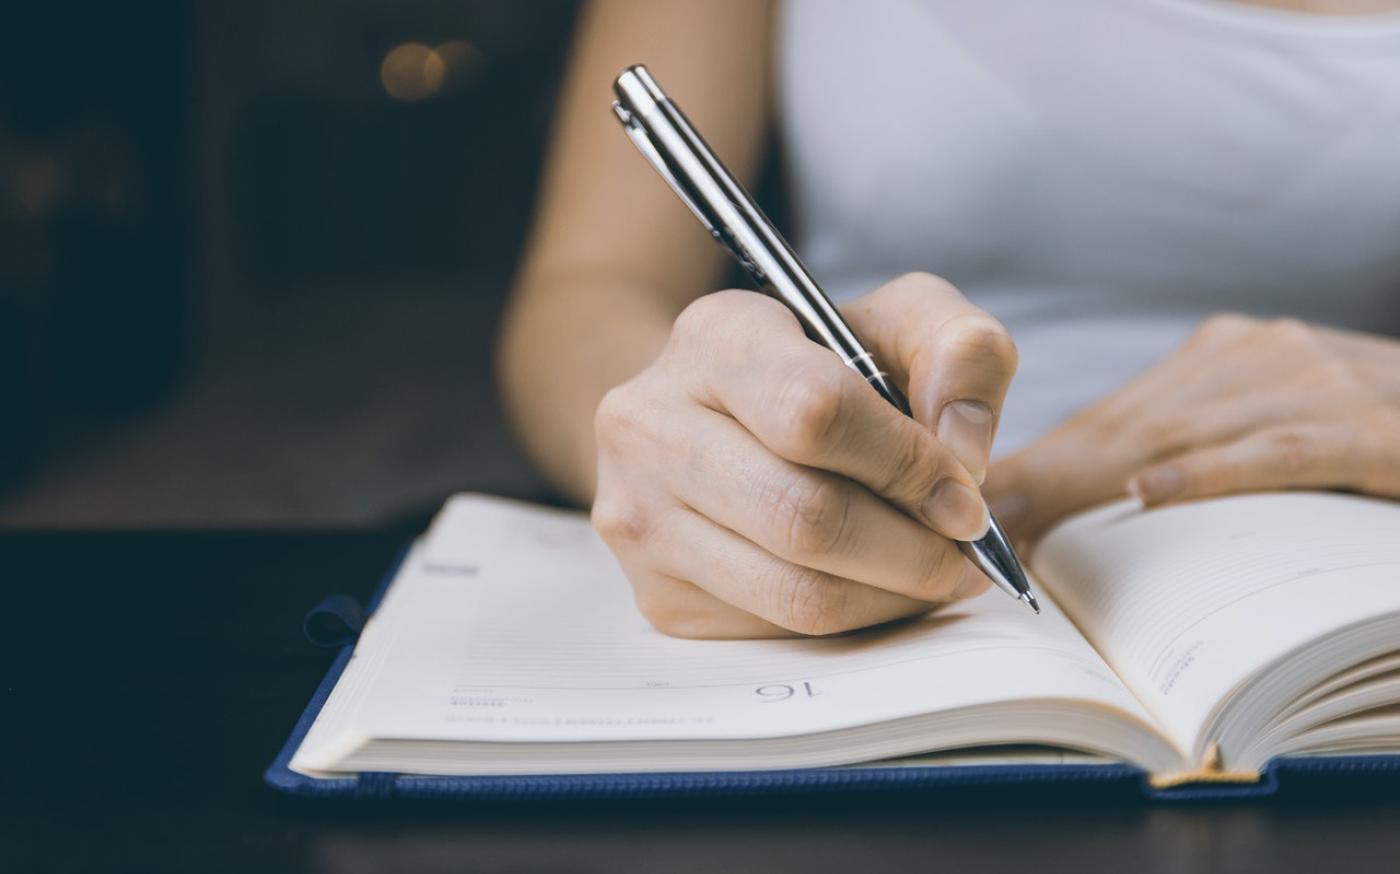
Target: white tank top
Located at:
point(1098, 174)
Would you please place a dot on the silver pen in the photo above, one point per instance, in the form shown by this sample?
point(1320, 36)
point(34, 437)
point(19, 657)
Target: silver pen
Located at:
point(663, 134)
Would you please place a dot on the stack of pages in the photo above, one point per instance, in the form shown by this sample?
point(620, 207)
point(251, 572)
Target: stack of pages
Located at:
point(1196, 642)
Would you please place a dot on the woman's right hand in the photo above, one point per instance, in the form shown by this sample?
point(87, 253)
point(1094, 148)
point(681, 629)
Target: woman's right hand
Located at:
point(752, 485)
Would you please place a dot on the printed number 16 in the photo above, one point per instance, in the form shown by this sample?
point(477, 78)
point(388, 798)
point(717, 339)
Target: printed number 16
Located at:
point(783, 691)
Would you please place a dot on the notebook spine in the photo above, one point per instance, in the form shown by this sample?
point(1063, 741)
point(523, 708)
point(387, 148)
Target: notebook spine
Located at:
point(1211, 771)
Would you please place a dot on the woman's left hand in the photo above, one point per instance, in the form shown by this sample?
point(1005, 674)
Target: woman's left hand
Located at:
point(1243, 405)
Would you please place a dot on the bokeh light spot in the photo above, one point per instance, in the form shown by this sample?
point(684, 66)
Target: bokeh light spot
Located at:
point(411, 72)
point(461, 61)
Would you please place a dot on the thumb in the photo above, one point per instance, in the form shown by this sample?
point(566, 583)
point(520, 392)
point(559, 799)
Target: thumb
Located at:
point(955, 360)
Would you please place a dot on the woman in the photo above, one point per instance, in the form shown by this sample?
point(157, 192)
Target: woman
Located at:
point(1104, 178)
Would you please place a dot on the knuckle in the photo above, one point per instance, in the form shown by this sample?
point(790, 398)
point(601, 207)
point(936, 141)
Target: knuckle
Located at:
point(698, 315)
point(812, 515)
point(922, 280)
point(918, 283)
point(631, 415)
point(617, 415)
point(1223, 326)
point(808, 409)
point(1164, 435)
point(981, 341)
point(619, 521)
point(1293, 451)
point(808, 604)
point(1292, 335)
point(722, 310)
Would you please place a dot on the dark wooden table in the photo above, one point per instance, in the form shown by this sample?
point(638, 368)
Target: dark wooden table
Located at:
point(148, 679)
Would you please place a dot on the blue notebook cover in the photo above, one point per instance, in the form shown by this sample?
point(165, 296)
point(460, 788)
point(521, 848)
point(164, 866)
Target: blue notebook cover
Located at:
point(377, 785)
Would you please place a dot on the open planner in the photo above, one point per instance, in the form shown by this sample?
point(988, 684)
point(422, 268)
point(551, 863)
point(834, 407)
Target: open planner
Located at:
point(1199, 648)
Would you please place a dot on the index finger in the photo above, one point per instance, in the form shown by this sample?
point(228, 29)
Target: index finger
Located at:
point(956, 359)
point(806, 406)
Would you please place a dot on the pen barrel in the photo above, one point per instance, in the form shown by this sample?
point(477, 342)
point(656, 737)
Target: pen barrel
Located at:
point(667, 139)
point(681, 156)
point(881, 382)
point(678, 152)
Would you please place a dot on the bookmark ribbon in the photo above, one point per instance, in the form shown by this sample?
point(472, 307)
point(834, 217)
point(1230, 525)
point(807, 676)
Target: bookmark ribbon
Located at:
point(336, 621)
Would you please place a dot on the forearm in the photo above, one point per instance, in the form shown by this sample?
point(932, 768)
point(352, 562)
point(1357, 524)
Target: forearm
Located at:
point(614, 255)
point(565, 342)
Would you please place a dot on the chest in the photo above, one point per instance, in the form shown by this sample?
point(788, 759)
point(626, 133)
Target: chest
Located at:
point(1092, 139)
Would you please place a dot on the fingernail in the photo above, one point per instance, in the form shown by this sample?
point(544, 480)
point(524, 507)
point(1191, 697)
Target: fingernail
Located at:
point(957, 510)
point(965, 427)
point(1158, 484)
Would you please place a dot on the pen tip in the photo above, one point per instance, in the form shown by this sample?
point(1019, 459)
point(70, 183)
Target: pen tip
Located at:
point(1031, 602)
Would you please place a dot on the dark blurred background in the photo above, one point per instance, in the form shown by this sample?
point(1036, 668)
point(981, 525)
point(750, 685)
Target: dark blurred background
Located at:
point(252, 255)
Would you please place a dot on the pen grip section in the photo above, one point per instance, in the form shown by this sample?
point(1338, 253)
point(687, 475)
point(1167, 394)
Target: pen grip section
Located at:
point(881, 382)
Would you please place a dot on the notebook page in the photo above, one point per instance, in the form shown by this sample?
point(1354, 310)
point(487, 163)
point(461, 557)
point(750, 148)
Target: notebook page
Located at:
point(373, 647)
point(519, 626)
point(1187, 601)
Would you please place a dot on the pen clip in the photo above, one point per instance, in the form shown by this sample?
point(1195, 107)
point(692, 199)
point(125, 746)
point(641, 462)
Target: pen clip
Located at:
point(638, 134)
